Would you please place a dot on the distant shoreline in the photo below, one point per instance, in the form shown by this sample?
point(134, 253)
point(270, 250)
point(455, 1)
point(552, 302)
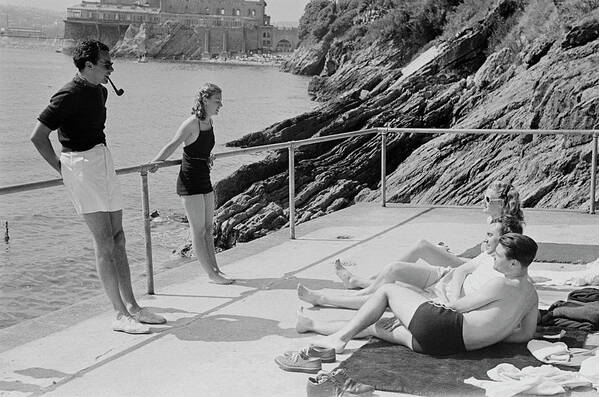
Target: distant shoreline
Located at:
point(236, 62)
point(30, 42)
point(56, 45)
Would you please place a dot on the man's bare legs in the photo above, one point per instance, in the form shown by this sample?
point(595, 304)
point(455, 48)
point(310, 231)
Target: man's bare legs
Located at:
point(197, 207)
point(121, 262)
point(350, 280)
point(324, 299)
point(418, 276)
point(112, 270)
point(396, 271)
point(403, 303)
point(387, 329)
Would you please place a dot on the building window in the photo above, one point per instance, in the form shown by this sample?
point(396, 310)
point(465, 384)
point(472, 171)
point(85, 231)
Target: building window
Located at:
point(237, 12)
point(207, 11)
point(253, 13)
point(222, 11)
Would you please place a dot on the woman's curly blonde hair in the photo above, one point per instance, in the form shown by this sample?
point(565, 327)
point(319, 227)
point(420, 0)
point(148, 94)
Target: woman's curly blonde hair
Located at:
point(199, 104)
point(511, 199)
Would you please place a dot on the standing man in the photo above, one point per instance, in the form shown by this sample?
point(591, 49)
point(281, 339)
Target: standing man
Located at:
point(78, 112)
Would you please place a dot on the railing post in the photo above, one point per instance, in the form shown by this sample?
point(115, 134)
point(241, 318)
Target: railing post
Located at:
point(291, 191)
point(384, 168)
point(593, 173)
point(145, 197)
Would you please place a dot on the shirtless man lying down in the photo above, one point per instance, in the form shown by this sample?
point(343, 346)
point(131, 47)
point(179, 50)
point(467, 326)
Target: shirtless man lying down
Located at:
point(504, 309)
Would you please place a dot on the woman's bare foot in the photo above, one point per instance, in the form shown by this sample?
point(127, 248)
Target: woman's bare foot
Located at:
point(218, 279)
point(303, 323)
point(308, 296)
point(330, 342)
point(349, 280)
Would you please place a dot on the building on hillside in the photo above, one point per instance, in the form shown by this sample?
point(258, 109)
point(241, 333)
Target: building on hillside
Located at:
point(227, 26)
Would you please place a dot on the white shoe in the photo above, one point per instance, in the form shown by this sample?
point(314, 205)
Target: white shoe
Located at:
point(128, 325)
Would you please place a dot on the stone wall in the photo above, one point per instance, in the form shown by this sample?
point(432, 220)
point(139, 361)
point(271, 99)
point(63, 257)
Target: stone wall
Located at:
point(108, 34)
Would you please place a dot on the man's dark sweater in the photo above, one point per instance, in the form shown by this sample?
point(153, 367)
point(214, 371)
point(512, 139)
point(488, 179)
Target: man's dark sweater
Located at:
point(78, 111)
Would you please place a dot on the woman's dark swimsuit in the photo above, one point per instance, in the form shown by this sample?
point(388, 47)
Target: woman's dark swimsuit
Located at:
point(194, 175)
point(437, 330)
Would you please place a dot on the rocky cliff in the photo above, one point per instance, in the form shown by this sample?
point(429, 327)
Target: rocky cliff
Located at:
point(493, 72)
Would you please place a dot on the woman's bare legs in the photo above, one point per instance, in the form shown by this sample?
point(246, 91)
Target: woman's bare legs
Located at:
point(197, 207)
point(402, 301)
point(209, 217)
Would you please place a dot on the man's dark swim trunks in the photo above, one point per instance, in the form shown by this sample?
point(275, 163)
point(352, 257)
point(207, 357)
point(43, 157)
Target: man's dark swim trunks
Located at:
point(437, 330)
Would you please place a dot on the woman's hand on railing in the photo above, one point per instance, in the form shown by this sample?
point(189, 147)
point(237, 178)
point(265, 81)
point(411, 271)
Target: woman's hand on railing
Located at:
point(211, 161)
point(154, 165)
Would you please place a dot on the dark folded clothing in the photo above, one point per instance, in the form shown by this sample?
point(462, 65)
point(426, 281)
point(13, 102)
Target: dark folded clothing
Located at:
point(584, 295)
point(585, 312)
point(569, 324)
point(576, 315)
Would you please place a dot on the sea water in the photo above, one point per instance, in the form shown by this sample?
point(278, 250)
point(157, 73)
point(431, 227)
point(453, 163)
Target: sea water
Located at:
point(48, 262)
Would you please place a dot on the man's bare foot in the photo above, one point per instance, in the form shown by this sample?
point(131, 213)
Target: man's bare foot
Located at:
point(218, 279)
point(349, 280)
point(303, 323)
point(308, 296)
point(330, 342)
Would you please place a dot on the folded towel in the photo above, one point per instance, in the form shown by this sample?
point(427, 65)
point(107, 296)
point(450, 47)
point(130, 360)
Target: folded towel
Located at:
point(548, 352)
point(558, 353)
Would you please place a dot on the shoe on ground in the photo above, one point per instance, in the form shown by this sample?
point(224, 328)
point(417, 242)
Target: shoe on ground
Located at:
point(128, 325)
point(298, 362)
point(326, 355)
point(147, 317)
point(336, 383)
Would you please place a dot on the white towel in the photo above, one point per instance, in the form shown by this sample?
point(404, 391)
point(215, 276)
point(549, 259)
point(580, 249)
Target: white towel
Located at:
point(544, 380)
point(549, 352)
point(558, 353)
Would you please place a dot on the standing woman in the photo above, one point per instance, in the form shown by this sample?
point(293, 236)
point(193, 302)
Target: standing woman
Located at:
point(193, 183)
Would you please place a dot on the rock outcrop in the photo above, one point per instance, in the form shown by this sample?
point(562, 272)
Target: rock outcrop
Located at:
point(167, 40)
point(552, 83)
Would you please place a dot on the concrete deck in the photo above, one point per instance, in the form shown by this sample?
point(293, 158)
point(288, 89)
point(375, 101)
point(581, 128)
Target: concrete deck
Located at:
point(221, 340)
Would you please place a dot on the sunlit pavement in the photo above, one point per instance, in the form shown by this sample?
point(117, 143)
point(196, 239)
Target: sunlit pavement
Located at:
point(221, 340)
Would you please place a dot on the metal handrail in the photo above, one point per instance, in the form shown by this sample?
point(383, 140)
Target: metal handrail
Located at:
point(291, 146)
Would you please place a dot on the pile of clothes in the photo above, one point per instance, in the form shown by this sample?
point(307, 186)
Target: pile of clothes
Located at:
point(580, 311)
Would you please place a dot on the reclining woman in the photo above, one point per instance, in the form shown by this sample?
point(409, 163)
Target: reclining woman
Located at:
point(445, 283)
point(500, 199)
point(504, 309)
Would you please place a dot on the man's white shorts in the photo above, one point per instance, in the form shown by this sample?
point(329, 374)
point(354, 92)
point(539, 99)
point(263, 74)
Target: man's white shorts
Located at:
point(91, 181)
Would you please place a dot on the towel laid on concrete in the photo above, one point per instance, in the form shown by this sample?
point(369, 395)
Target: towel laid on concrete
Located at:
point(396, 368)
point(508, 380)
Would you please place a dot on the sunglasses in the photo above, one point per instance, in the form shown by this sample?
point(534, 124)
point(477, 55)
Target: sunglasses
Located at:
point(488, 199)
point(107, 65)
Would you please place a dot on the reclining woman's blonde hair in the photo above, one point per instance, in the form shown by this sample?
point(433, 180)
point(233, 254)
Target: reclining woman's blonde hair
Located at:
point(511, 199)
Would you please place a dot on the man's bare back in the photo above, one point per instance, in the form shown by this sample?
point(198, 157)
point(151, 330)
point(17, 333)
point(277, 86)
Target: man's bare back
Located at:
point(512, 315)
